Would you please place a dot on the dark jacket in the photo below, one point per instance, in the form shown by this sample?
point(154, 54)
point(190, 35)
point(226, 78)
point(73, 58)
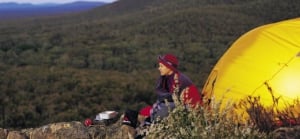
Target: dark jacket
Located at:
point(166, 86)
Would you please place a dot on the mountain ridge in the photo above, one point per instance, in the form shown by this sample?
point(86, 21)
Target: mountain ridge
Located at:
point(12, 10)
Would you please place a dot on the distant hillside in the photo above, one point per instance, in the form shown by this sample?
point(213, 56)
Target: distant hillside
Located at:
point(15, 10)
point(70, 67)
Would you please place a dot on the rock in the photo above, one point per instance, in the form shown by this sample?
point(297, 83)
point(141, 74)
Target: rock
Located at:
point(105, 129)
point(77, 130)
point(287, 133)
point(74, 130)
point(63, 130)
point(3, 133)
point(16, 135)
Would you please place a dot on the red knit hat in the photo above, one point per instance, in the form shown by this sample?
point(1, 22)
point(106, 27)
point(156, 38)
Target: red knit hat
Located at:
point(169, 61)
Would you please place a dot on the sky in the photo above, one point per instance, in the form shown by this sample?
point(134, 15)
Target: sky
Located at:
point(50, 1)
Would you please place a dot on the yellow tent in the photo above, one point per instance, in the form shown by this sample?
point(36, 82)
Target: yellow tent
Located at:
point(264, 62)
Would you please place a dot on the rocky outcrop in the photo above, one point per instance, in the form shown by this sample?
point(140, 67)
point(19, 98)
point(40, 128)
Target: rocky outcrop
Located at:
point(77, 130)
point(287, 133)
point(3, 133)
point(59, 130)
point(64, 130)
point(16, 135)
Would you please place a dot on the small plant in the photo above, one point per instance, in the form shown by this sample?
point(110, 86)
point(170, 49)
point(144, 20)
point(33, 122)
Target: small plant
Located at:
point(267, 119)
point(202, 122)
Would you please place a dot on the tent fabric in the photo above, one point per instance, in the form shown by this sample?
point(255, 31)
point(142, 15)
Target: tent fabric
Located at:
point(264, 62)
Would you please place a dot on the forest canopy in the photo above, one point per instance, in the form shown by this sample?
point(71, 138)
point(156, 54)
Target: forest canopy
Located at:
point(70, 67)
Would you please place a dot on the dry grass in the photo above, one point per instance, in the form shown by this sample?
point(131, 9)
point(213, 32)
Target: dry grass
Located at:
point(215, 122)
point(267, 119)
